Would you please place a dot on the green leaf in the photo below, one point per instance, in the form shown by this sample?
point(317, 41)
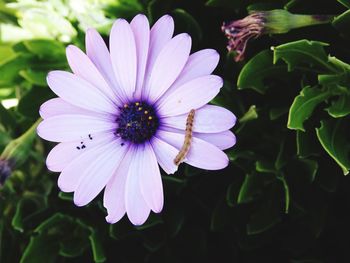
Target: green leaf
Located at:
point(55, 234)
point(220, 217)
point(30, 102)
point(307, 144)
point(7, 118)
point(276, 113)
point(122, 230)
point(7, 15)
point(333, 137)
point(6, 54)
point(157, 8)
point(264, 166)
point(72, 247)
point(342, 23)
point(282, 156)
point(152, 220)
point(34, 252)
point(174, 219)
point(340, 107)
point(223, 3)
point(34, 77)
point(304, 52)
point(250, 188)
point(186, 23)
point(45, 48)
point(310, 167)
point(286, 194)
point(265, 218)
point(10, 69)
point(255, 72)
point(17, 220)
point(341, 65)
point(65, 196)
point(124, 8)
point(303, 106)
point(331, 79)
point(97, 248)
point(233, 192)
point(251, 114)
point(346, 3)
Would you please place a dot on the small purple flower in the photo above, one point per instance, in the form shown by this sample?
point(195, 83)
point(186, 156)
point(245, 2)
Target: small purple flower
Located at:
point(123, 111)
point(5, 171)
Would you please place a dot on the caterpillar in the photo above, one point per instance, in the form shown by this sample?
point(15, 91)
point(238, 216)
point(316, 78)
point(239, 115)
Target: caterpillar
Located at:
point(188, 138)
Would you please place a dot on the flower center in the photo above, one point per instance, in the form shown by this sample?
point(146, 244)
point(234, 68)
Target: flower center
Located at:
point(137, 122)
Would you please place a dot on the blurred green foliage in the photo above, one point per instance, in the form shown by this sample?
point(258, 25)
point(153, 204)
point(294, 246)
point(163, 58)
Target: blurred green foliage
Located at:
point(284, 197)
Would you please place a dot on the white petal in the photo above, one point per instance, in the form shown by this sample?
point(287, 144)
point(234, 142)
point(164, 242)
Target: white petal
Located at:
point(191, 95)
point(69, 179)
point(160, 34)
point(123, 54)
point(136, 207)
point(140, 27)
point(223, 140)
point(200, 63)
point(114, 195)
point(150, 179)
point(98, 173)
point(58, 106)
point(208, 119)
point(97, 51)
point(165, 155)
point(201, 154)
point(82, 66)
point(65, 128)
point(64, 153)
point(168, 66)
point(79, 92)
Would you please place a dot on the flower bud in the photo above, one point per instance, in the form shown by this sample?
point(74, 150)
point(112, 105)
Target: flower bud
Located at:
point(5, 171)
point(16, 152)
point(276, 21)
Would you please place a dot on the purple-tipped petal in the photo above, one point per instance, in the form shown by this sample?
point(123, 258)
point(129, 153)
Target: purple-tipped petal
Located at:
point(150, 179)
point(141, 30)
point(200, 63)
point(123, 54)
point(167, 66)
point(208, 119)
point(82, 66)
point(201, 154)
point(97, 51)
point(69, 179)
point(191, 95)
point(79, 92)
point(65, 152)
point(165, 155)
point(58, 106)
point(65, 128)
point(98, 173)
point(136, 207)
point(222, 140)
point(114, 194)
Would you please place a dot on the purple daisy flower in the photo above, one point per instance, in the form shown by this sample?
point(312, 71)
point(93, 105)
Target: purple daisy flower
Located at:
point(123, 111)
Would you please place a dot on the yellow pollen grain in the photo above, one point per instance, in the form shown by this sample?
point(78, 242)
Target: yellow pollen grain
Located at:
point(140, 108)
point(126, 105)
point(128, 124)
point(137, 104)
point(146, 112)
point(150, 118)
